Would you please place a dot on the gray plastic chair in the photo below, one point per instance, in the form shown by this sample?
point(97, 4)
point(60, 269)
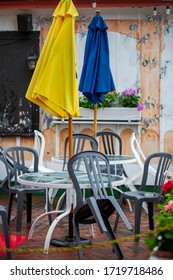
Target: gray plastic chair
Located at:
point(162, 162)
point(100, 205)
point(4, 183)
point(17, 165)
point(3, 214)
point(81, 142)
point(112, 145)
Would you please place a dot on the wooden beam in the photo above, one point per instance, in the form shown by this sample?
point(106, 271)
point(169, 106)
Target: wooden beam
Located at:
point(25, 4)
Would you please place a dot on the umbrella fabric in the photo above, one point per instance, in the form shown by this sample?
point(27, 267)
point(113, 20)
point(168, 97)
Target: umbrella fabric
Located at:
point(96, 78)
point(54, 84)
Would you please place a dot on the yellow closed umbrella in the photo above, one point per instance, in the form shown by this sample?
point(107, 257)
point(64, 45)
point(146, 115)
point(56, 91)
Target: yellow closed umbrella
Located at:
point(54, 84)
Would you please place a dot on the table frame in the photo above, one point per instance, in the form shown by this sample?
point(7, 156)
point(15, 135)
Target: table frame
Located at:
point(59, 184)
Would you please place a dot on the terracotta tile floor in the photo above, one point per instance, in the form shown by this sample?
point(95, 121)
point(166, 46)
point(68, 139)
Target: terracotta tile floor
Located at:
point(99, 250)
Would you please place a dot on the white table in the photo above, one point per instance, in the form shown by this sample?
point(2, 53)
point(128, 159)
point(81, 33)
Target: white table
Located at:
point(59, 180)
point(115, 160)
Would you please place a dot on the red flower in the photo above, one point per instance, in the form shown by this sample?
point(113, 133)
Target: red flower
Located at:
point(167, 187)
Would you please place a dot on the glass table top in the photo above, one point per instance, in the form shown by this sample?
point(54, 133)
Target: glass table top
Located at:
point(60, 178)
point(116, 159)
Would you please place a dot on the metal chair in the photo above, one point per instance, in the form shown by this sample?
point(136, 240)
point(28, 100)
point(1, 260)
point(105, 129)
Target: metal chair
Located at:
point(19, 161)
point(100, 205)
point(162, 162)
point(3, 214)
point(112, 145)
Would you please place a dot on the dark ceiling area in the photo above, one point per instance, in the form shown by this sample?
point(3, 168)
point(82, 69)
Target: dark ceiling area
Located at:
point(83, 3)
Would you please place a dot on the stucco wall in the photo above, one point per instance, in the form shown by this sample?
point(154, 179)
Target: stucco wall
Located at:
point(141, 56)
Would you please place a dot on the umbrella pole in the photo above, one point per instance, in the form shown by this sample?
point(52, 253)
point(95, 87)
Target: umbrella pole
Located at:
point(70, 125)
point(95, 120)
point(70, 239)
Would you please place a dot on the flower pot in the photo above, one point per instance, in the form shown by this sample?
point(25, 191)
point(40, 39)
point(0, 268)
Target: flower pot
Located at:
point(112, 113)
point(162, 255)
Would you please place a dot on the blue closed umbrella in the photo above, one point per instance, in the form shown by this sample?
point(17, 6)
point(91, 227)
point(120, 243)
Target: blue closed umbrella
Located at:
point(96, 78)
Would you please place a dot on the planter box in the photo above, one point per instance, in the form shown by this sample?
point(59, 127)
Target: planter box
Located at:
point(112, 113)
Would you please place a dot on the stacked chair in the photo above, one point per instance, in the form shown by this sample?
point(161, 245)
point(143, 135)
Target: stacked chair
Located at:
point(100, 205)
point(81, 142)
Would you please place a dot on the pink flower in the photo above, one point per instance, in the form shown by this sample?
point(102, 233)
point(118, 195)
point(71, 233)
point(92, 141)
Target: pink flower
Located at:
point(140, 107)
point(129, 92)
point(169, 206)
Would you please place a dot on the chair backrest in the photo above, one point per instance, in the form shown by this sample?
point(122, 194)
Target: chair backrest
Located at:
point(138, 153)
point(4, 183)
point(39, 145)
point(162, 163)
point(17, 160)
point(2, 160)
point(136, 149)
point(90, 161)
point(111, 141)
point(81, 142)
point(2, 157)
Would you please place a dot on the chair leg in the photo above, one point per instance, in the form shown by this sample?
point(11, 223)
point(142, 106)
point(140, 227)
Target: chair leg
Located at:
point(20, 203)
point(29, 207)
point(4, 185)
point(5, 229)
point(117, 215)
point(150, 215)
point(78, 240)
point(10, 205)
point(112, 237)
point(138, 210)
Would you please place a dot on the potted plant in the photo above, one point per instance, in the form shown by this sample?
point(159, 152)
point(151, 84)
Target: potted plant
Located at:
point(109, 100)
point(130, 98)
point(118, 106)
point(161, 240)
